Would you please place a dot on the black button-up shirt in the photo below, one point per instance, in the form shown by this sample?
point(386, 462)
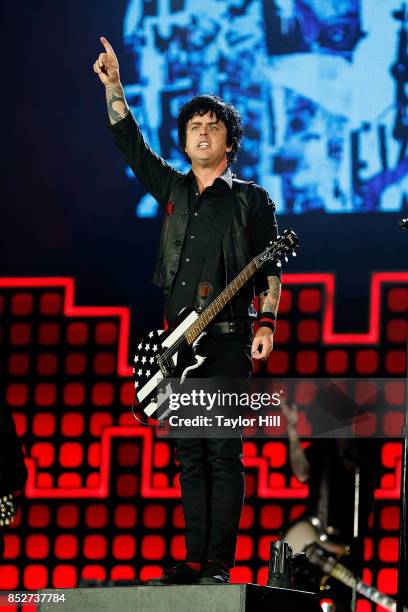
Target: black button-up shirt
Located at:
point(202, 215)
point(160, 179)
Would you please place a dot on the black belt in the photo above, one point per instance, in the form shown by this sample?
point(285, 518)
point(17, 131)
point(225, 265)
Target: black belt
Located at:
point(230, 327)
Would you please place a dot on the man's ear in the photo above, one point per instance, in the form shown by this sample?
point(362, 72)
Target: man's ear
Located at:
point(228, 149)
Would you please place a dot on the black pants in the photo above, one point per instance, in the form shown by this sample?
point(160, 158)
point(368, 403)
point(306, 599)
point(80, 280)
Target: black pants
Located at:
point(211, 469)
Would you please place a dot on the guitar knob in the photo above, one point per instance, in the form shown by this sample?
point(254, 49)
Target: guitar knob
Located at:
point(278, 263)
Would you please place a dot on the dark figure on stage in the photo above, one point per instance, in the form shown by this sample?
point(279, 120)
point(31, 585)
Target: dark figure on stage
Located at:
point(210, 131)
point(341, 474)
point(13, 473)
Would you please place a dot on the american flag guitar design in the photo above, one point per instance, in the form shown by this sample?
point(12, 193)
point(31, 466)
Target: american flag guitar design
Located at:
point(157, 354)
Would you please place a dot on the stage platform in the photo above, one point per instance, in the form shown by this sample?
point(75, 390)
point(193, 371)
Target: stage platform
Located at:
point(186, 598)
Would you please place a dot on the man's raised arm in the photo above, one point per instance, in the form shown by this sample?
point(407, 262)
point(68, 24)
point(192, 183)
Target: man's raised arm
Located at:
point(107, 68)
point(154, 173)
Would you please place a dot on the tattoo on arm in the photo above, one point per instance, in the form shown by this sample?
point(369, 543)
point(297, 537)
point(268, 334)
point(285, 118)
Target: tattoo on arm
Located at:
point(269, 299)
point(117, 105)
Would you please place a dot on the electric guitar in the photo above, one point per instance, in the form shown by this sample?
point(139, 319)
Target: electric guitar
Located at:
point(157, 354)
point(331, 567)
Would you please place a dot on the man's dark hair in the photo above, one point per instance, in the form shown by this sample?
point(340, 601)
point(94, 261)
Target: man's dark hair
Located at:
point(228, 114)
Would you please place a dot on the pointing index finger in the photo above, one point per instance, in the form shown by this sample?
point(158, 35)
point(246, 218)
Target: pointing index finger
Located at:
point(108, 47)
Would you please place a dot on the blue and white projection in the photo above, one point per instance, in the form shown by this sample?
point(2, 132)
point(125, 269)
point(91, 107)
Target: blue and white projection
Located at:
point(321, 85)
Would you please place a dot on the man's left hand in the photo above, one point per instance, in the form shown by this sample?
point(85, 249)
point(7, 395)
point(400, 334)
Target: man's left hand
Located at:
point(262, 344)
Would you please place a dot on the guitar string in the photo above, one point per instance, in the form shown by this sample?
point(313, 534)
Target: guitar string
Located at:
point(205, 314)
point(256, 261)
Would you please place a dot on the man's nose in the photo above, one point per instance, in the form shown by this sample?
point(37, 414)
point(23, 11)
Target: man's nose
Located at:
point(204, 130)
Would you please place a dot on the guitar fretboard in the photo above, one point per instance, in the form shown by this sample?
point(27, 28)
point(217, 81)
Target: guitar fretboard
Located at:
point(222, 300)
point(347, 577)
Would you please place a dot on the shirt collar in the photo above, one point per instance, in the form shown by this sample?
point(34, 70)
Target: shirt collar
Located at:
point(226, 176)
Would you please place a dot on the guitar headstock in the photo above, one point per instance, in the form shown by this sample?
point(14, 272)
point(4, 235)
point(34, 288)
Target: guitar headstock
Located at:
point(285, 244)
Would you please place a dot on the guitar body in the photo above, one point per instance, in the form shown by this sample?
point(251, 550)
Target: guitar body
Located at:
point(156, 360)
point(309, 530)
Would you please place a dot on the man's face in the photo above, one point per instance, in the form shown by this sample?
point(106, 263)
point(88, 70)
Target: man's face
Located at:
point(206, 140)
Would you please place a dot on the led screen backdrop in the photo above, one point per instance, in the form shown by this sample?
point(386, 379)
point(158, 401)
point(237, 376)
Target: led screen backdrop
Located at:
point(69, 206)
point(102, 497)
point(320, 84)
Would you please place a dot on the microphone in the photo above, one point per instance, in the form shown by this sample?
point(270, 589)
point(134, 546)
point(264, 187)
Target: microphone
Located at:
point(403, 223)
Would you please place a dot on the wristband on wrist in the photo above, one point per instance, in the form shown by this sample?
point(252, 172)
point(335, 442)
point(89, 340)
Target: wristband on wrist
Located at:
point(267, 319)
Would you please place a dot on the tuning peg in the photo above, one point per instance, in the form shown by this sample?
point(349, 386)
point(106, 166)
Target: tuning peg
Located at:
point(278, 263)
point(270, 242)
point(294, 253)
point(286, 259)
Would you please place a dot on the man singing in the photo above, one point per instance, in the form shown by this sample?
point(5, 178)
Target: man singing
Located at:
point(214, 223)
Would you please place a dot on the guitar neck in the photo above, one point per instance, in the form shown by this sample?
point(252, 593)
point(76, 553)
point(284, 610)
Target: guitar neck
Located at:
point(218, 304)
point(345, 576)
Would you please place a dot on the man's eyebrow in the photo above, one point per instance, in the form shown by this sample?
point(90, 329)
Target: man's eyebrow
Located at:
point(201, 122)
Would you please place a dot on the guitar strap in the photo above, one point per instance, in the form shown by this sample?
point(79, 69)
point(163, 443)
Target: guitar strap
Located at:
point(211, 262)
